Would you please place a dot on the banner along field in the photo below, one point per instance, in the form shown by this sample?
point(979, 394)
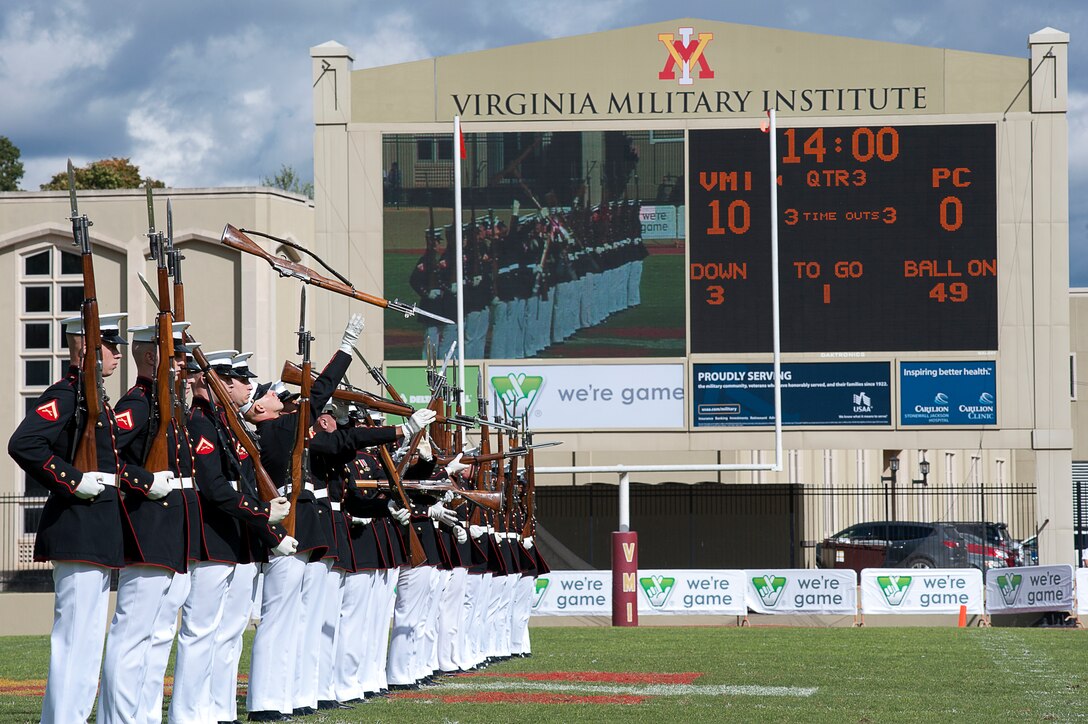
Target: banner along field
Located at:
point(715, 674)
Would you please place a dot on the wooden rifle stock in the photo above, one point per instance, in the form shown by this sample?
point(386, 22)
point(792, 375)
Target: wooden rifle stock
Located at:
point(292, 375)
point(299, 473)
point(528, 528)
point(417, 556)
point(158, 455)
point(235, 239)
point(86, 453)
point(482, 498)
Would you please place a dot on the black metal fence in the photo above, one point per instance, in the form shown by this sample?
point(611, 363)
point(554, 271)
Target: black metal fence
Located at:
point(713, 525)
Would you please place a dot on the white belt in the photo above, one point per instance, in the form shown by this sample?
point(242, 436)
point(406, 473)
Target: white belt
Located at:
point(335, 506)
point(181, 483)
point(233, 484)
point(108, 479)
point(320, 493)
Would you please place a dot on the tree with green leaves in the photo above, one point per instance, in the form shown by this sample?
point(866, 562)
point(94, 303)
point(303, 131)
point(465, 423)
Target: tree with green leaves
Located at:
point(11, 169)
point(107, 173)
point(289, 180)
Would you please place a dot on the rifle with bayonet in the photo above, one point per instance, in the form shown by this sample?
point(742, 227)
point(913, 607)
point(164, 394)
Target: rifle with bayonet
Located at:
point(173, 261)
point(436, 401)
point(86, 452)
point(528, 527)
point(237, 239)
point(300, 451)
point(482, 498)
point(162, 412)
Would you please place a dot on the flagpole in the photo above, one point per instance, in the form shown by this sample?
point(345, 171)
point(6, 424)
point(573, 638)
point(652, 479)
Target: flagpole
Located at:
point(775, 311)
point(458, 231)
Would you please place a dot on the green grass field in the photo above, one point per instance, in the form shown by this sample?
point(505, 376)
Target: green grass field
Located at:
point(655, 328)
point(720, 674)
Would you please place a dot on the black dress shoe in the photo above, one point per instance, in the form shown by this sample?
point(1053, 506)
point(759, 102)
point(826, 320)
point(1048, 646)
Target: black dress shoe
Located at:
point(404, 687)
point(267, 716)
point(333, 704)
point(304, 711)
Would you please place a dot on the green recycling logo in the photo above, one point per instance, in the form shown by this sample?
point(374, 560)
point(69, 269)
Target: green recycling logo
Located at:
point(1009, 584)
point(517, 393)
point(769, 588)
point(657, 589)
point(894, 588)
point(538, 593)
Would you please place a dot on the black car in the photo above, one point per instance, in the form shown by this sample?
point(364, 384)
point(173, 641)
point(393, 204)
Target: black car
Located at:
point(894, 544)
point(996, 549)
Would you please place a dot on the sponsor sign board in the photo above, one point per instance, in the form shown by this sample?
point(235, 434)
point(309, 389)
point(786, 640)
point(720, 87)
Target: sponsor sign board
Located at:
point(411, 383)
point(800, 590)
point(1029, 588)
point(829, 393)
point(659, 222)
point(948, 393)
point(694, 591)
point(590, 397)
point(921, 590)
point(573, 593)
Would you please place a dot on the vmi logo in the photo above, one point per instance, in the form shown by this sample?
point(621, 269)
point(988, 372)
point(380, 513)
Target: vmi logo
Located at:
point(517, 392)
point(1010, 587)
point(894, 588)
point(657, 589)
point(769, 589)
point(683, 54)
point(538, 594)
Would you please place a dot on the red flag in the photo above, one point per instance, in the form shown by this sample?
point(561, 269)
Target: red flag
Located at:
point(461, 141)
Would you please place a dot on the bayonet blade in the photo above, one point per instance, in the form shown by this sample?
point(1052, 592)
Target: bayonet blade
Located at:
point(169, 221)
point(150, 212)
point(446, 362)
point(72, 190)
point(147, 287)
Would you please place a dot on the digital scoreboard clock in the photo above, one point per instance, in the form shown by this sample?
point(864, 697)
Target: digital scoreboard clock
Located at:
point(887, 239)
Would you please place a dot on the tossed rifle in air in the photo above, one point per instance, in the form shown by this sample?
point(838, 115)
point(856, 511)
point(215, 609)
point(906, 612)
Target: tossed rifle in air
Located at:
point(162, 412)
point(237, 239)
point(266, 489)
point(86, 452)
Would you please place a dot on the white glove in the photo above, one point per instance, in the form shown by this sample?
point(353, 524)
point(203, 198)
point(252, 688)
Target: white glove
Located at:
point(161, 486)
point(287, 547)
point(455, 466)
point(441, 514)
point(448, 496)
point(527, 542)
point(90, 485)
point(278, 508)
point(477, 531)
point(401, 515)
point(361, 521)
point(351, 333)
point(419, 420)
point(424, 449)
point(460, 534)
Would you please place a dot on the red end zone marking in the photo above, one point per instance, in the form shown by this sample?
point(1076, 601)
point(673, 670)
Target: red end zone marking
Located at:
point(502, 697)
point(598, 676)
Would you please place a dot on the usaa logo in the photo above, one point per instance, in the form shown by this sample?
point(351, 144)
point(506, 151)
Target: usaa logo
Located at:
point(862, 402)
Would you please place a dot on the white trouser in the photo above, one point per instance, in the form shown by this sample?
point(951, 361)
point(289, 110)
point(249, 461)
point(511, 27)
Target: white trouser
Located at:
point(415, 587)
point(491, 615)
point(466, 634)
point(451, 621)
point(430, 633)
point(200, 618)
point(80, 608)
point(373, 674)
point(228, 641)
point(634, 284)
point(141, 592)
point(505, 614)
point(522, 607)
point(478, 623)
point(272, 667)
point(352, 639)
point(308, 637)
point(476, 333)
point(158, 653)
point(335, 583)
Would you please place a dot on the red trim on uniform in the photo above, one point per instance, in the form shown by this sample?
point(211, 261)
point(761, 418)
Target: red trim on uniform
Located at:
point(46, 468)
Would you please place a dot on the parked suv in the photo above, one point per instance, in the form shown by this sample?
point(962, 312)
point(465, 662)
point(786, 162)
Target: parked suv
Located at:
point(892, 544)
point(994, 547)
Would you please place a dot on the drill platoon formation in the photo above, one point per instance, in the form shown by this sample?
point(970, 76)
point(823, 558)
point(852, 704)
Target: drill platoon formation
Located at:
point(376, 557)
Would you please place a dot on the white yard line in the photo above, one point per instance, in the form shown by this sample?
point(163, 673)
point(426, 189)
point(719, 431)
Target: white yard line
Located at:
point(634, 689)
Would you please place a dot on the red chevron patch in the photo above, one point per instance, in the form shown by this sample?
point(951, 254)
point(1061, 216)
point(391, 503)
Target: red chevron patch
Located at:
point(124, 420)
point(49, 411)
point(204, 446)
point(240, 451)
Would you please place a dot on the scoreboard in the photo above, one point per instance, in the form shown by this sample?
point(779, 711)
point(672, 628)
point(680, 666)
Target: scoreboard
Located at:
point(887, 239)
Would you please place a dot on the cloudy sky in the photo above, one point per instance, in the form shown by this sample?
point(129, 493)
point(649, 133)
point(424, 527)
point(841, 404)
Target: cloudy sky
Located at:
point(217, 93)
